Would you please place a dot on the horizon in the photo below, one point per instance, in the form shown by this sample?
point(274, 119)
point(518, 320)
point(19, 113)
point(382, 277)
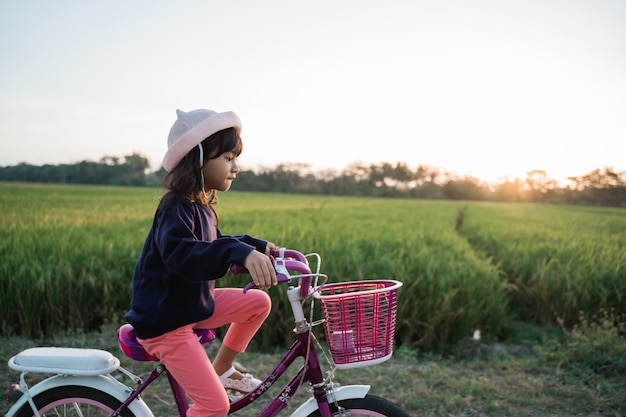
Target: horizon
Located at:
point(307, 168)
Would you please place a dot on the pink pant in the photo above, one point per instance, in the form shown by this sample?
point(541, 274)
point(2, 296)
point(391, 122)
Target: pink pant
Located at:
point(186, 359)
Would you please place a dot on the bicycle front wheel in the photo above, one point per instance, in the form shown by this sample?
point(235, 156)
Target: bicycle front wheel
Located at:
point(73, 401)
point(370, 406)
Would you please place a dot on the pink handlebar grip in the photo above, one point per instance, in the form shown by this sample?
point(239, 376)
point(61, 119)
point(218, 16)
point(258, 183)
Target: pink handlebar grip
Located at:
point(238, 269)
point(284, 260)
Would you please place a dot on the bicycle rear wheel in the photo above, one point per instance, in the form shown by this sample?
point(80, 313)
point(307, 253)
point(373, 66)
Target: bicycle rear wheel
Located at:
point(370, 406)
point(73, 401)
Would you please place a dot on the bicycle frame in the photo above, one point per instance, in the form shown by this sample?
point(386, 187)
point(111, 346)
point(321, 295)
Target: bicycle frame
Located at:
point(323, 393)
point(309, 372)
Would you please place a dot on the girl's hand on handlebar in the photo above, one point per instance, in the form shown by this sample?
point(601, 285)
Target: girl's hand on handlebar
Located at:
point(268, 249)
point(261, 269)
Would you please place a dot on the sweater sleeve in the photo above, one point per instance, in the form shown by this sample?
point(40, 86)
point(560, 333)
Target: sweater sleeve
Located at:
point(259, 244)
point(187, 238)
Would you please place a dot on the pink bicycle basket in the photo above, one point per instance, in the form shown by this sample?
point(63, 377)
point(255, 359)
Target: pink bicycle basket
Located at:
point(360, 321)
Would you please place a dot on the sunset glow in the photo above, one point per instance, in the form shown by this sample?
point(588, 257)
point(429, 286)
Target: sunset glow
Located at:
point(486, 88)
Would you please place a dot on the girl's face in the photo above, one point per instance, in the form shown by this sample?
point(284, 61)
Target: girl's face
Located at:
point(220, 172)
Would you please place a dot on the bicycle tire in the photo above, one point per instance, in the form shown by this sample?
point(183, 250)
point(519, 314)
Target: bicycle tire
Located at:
point(370, 406)
point(73, 400)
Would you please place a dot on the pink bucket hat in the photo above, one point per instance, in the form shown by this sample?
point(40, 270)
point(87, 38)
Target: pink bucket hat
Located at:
point(191, 128)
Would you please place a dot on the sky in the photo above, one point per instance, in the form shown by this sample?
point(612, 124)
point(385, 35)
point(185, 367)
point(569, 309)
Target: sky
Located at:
point(486, 88)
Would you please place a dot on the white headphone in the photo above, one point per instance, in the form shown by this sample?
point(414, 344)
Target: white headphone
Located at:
point(202, 170)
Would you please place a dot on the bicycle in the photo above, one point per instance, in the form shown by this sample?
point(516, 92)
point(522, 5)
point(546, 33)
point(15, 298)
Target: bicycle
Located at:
point(358, 320)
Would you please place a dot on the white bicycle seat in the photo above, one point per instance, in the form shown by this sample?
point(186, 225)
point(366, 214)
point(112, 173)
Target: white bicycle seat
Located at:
point(69, 361)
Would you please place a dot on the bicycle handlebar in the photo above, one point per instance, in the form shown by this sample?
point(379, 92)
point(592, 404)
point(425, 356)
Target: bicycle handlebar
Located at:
point(284, 260)
point(284, 253)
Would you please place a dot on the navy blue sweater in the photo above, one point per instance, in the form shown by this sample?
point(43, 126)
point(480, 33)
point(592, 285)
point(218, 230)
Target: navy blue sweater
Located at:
point(183, 254)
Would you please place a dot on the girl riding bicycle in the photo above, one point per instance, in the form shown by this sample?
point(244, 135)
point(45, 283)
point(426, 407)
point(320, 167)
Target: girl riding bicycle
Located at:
point(185, 252)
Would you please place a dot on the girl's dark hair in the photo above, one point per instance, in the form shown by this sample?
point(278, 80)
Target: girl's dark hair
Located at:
point(185, 180)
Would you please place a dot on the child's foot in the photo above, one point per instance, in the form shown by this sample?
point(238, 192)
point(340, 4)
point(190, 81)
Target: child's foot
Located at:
point(236, 381)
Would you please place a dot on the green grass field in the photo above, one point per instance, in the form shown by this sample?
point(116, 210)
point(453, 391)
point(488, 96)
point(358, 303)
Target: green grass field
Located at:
point(550, 276)
point(68, 254)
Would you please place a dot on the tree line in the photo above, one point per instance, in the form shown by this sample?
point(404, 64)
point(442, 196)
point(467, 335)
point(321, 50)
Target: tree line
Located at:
point(602, 186)
point(109, 170)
